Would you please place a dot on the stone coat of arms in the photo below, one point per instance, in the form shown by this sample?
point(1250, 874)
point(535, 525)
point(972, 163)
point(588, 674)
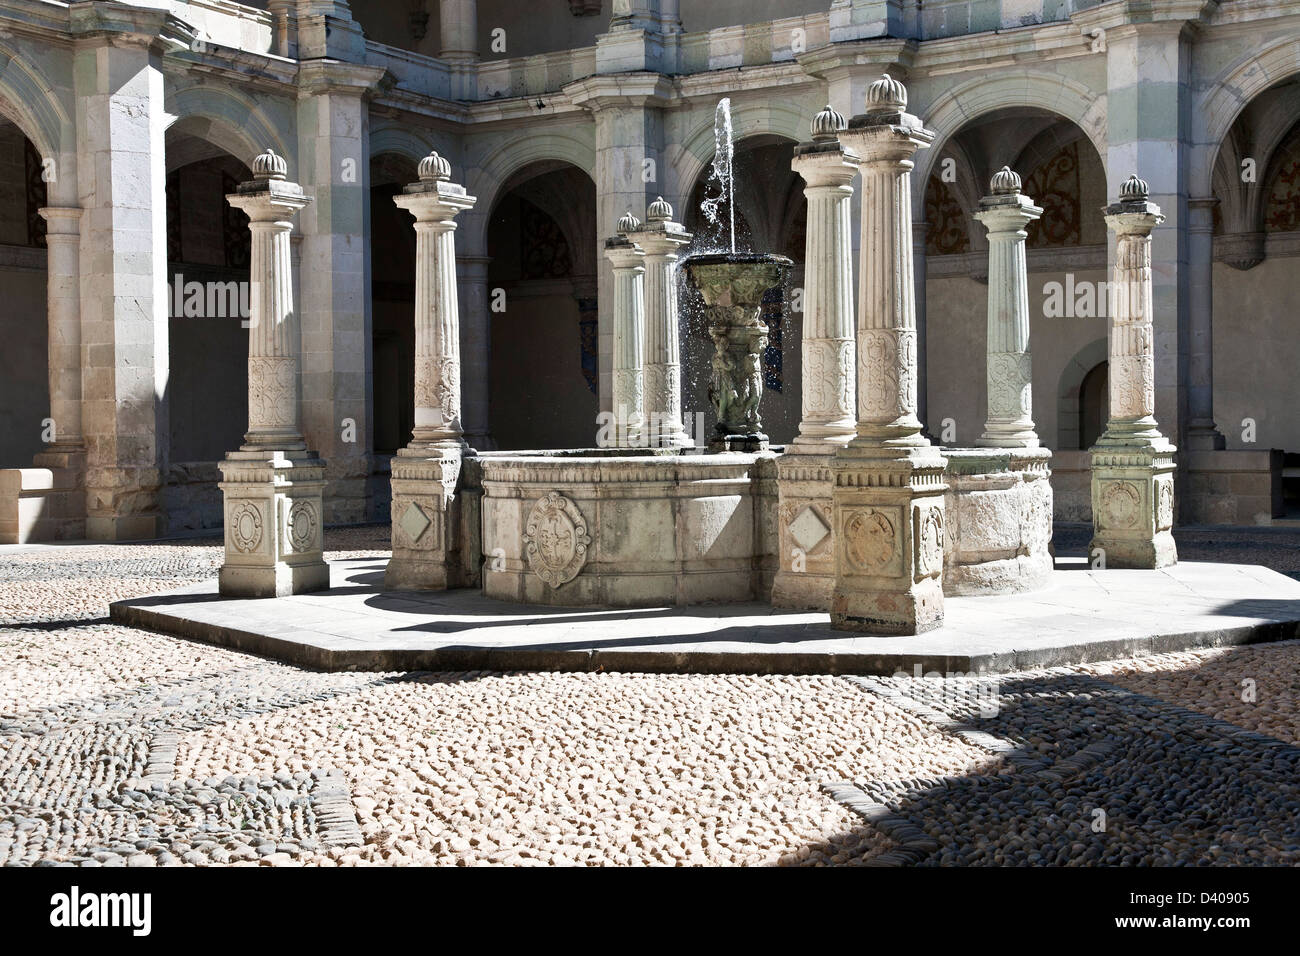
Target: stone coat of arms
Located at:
point(556, 539)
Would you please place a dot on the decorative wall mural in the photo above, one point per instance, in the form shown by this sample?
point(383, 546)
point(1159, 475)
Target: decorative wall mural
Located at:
point(543, 250)
point(1055, 187)
point(1283, 212)
point(947, 235)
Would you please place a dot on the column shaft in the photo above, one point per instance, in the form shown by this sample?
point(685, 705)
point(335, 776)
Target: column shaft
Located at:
point(1202, 432)
point(629, 336)
point(829, 385)
point(1008, 365)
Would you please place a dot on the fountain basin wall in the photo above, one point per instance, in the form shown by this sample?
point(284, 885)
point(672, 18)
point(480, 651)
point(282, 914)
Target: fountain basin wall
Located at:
point(999, 520)
point(617, 527)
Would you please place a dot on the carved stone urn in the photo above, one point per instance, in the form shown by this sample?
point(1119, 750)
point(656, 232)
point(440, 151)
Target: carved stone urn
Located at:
point(732, 286)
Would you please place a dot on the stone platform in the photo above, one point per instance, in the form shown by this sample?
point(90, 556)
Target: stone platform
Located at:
point(1081, 615)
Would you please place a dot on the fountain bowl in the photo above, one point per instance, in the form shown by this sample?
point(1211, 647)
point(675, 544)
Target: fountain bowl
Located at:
point(736, 279)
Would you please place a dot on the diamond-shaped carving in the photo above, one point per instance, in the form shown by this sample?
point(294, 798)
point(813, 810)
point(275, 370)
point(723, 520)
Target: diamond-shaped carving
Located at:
point(809, 529)
point(414, 522)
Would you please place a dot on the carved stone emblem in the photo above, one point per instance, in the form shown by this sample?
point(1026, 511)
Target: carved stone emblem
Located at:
point(245, 527)
point(556, 539)
point(869, 540)
point(302, 526)
point(1121, 505)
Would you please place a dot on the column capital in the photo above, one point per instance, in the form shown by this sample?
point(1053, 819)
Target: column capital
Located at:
point(660, 236)
point(886, 132)
point(435, 201)
point(637, 90)
point(1134, 213)
point(62, 220)
point(623, 253)
point(322, 77)
point(825, 164)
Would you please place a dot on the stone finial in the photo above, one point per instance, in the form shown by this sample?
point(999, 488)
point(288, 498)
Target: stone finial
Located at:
point(1133, 190)
point(886, 95)
point(659, 211)
point(827, 123)
point(270, 166)
point(434, 167)
point(1005, 182)
point(628, 223)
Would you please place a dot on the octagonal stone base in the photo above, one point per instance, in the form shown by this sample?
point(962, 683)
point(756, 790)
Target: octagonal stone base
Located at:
point(1133, 503)
point(999, 520)
point(622, 527)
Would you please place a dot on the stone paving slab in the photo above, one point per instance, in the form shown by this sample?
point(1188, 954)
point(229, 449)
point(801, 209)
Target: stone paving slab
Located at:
point(1083, 615)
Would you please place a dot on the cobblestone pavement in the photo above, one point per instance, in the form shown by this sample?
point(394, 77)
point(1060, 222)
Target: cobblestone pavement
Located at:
point(123, 747)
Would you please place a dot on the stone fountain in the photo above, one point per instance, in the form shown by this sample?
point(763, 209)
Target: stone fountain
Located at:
point(733, 286)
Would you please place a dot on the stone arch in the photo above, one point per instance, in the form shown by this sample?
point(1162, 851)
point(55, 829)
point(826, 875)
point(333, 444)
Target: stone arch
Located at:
point(232, 120)
point(490, 164)
point(413, 144)
point(969, 101)
point(748, 119)
point(1068, 391)
point(28, 101)
point(1227, 95)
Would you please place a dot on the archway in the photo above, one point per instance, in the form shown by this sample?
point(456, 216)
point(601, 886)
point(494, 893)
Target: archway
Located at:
point(208, 248)
point(1062, 172)
point(1094, 404)
point(392, 289)
point(24, 368)
point(541, 240)
point(770, 216)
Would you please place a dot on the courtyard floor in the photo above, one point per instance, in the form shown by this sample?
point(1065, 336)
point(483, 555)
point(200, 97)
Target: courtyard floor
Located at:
point(126, 747)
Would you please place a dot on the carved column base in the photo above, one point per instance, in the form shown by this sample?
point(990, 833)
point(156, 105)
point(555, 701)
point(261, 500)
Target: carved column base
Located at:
point(437, 542)
point(805, 576)
point(888, 522)
point(273, 524)
point(1132, 503)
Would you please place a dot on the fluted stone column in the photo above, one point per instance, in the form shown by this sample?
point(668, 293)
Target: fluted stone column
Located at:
point(806, 562)
point(628, 262)
point(660, 240)
point(888, 497)
point(431, 545)
point(1008, 368)
point(273, 484)
point(63, 308)
point(1132, 462)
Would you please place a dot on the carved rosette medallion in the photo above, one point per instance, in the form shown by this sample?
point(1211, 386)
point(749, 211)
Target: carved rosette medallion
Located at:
point(302, 526)
point(869, 540)
point(927, 532)
point(244, 524)
point(1121, 505)
point(556, 539)
point(272, 393)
